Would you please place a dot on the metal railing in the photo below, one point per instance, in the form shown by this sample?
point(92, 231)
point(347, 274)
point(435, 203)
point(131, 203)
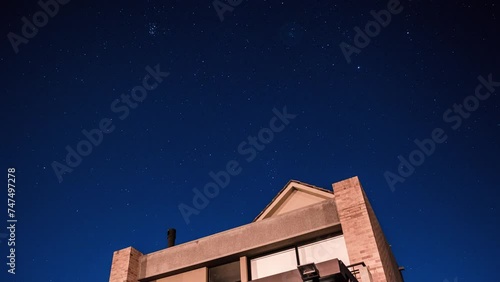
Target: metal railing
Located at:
point(360, 271)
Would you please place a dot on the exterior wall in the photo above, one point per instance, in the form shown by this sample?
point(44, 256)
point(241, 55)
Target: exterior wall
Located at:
point(198, 275)
point(258, 237)
point(362, 232)
point(125, 265)
point(297, 200)
point(389, 263)
point(364, 275)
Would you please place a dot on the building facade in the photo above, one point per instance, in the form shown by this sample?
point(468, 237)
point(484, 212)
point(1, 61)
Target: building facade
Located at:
point(335, 233)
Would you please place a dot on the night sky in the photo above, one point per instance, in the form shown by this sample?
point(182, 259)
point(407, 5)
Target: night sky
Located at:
point(214, 80)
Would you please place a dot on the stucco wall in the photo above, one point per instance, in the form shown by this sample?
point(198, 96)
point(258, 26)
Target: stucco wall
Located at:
point(298, 199)
point(258, 236)
point(197, 275)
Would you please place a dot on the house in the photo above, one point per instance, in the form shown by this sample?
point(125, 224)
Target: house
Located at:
point(306, 233)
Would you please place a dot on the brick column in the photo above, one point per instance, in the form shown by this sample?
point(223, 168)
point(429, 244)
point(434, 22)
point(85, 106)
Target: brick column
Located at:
point(362, 232)
point(125, 265)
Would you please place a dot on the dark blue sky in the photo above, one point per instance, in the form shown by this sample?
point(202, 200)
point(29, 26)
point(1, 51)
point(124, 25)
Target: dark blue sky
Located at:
point(226, 77)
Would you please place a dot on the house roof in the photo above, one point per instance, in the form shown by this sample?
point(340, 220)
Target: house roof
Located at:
point(286, 192)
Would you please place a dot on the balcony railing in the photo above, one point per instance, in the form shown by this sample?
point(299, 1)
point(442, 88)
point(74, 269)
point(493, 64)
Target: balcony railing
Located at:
point(360, 271)
point(330, 271)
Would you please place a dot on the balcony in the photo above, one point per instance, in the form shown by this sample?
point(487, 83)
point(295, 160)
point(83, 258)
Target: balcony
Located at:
point(360, 272)
point(330, 271)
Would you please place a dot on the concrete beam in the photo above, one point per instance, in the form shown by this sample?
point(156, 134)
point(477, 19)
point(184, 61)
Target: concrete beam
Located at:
point(257, 237)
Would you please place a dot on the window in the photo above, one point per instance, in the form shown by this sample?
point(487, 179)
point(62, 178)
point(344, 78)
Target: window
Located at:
point(273, 264)
point(283, 261)
point(320, 251)
point(225, 273)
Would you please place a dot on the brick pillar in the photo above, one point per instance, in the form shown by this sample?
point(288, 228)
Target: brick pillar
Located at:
point(362, 232)
point(125, 265)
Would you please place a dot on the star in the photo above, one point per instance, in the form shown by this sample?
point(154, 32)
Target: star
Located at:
point(152, 29)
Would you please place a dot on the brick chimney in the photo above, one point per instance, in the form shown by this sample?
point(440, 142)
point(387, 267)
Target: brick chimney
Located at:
point(125, 265)
point(362, 232)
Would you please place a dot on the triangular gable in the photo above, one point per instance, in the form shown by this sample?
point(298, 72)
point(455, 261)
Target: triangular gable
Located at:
point(294, 195)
